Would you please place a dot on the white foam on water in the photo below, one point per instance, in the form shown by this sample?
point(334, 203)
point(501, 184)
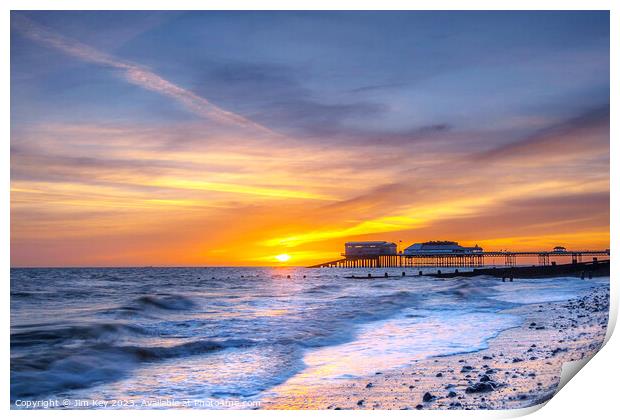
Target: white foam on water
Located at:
point(529, 291)
point(400, 341)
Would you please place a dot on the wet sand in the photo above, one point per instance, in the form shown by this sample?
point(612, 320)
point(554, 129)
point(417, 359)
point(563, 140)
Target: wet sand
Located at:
point(520, 368)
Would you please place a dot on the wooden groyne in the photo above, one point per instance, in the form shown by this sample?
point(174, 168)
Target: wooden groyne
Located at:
point(581, 270)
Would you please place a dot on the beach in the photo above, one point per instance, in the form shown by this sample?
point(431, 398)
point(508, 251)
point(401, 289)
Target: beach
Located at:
point(295, 338)
point(520, 368)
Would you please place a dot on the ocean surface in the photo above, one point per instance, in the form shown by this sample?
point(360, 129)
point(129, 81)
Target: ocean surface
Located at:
point(235, 333)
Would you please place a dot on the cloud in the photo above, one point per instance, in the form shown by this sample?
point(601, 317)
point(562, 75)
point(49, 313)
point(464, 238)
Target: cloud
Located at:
point(29, 165)
point(133, 73)
point(276, 95)
point(563, 214)
point(375, 202)
point(372, 88)
point(584, 134)
point(130, 159)
point(383, 161)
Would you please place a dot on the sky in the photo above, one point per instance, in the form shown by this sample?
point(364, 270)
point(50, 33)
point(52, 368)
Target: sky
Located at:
point(229, 138)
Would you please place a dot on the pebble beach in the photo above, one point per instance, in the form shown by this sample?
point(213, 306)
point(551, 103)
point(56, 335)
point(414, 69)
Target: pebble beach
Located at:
point(520, 368)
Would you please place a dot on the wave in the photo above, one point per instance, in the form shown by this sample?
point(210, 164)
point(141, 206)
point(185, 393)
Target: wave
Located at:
point(165, 302)
point(468, 289)
point(68, 368)
point(323, 288)
point(36, 378)
point(51, 335)
point(21, 294)
point(190, 348)
point(111, 331)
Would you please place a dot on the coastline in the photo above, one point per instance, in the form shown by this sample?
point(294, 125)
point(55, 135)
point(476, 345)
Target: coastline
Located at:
point(520, 368)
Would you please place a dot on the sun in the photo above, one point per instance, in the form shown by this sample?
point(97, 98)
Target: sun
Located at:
point(283, 257)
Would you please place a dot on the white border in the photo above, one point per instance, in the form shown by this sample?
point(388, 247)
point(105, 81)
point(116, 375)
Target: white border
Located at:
point(592, 395)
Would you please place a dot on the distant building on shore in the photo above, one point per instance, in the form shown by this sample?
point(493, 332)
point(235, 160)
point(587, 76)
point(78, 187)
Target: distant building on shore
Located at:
point(440, 247)
point(369, 248)
point(559, 249)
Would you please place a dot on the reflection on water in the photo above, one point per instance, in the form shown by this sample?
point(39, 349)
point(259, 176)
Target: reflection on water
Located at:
point(200, 333)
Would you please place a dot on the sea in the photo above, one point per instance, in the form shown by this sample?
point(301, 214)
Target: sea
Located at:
point(231, 335)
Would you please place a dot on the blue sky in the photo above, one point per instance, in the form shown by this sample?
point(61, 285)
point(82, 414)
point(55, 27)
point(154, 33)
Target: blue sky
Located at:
point(327, 71)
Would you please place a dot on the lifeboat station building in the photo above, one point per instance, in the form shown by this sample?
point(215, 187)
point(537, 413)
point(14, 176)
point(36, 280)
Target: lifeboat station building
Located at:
point(369, 248)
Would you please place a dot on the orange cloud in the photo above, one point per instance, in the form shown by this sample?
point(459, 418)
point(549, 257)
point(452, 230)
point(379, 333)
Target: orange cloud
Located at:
point(101, 195)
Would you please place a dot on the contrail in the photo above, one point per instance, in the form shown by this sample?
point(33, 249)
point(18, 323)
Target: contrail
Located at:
point(133, 73)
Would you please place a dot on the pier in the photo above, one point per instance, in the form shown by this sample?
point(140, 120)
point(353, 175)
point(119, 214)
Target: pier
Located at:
point(474, 259)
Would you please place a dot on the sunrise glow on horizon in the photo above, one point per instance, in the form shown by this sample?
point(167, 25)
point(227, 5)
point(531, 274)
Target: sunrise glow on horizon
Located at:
point(250, 139)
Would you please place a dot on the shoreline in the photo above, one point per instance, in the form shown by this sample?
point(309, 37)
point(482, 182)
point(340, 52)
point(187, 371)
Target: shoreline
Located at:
point(520, 367)
point(583, 270)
